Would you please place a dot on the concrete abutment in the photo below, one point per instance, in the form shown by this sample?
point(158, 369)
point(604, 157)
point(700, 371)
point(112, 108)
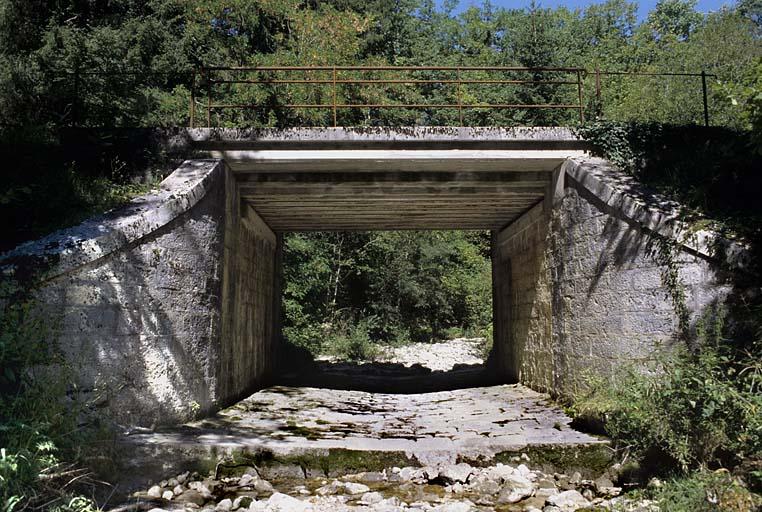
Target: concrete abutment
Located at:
point(170, 307)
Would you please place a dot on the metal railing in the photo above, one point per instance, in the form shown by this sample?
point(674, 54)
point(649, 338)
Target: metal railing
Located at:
point(336, 81)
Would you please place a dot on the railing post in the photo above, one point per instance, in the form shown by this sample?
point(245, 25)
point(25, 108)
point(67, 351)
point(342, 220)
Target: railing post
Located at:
point(207, 76)
point(460, 100)
point(335, 123)
point(579, 93)
point(598, 85)
point(706, 102)
point(75, 103)
point(193, 100)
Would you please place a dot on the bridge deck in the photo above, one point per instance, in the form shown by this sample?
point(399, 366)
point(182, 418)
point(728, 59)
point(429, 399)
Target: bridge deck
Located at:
point(412, 178)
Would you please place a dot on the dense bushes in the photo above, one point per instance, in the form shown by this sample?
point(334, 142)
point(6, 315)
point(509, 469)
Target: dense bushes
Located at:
point(687, 410)
point(47, 429)
point(346, 289)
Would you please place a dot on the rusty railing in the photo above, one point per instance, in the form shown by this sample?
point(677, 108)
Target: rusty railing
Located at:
point(333, 78)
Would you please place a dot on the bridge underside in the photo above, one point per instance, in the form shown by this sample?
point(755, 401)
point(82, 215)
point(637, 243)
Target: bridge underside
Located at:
point(390, 181)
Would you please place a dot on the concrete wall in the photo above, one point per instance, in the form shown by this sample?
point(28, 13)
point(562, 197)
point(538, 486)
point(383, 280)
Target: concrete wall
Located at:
point(579, 283)
point(140, 299)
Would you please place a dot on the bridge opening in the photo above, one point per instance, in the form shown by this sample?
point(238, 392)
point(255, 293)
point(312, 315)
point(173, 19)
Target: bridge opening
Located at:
point(392, 304)
point(335, 186)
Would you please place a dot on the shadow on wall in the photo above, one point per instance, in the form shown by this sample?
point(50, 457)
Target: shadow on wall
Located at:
point(622, 290)
point(138, 327)
point(137, 296)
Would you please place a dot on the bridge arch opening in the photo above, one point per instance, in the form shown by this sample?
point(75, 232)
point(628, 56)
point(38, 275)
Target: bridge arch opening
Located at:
point(382, 306)
point(354, 181)
point(174, 301)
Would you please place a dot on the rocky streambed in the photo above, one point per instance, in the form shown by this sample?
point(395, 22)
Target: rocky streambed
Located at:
point(447, 488)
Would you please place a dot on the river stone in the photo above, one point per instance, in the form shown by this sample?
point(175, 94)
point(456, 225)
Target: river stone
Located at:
point(371, 498)
point(485, 486)
point(329, 489)
point(568, 501)
point(191, 496)
point(405, 474)
point(354, 488)
point(225, 505)
point(154, 492)
point(369, 476)
point(284, 503)
point(455, 506)
point(453, 473)
point(168, 495)
point(515, 489)
point(242, 502)
point(263, 486)
point(500, 472)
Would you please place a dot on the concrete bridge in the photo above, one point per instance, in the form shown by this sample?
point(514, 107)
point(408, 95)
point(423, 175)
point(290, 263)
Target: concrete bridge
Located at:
point(171, 305)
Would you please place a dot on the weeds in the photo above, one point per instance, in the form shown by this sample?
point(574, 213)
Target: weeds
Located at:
point(41, 428)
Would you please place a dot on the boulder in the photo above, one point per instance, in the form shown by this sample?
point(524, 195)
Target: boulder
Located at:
point(515, 489)
point(567, 501)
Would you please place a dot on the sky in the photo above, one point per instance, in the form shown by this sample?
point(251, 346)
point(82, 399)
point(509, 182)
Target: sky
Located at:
point(644, 6)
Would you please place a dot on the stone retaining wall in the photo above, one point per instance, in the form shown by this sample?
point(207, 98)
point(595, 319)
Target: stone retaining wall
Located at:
point(581, 286)
point(136, 299)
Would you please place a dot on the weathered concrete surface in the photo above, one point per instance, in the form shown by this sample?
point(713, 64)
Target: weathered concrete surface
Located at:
point(401, 178)
point(580, 288)
point(139, 299)
point(170, 306)
point(301, 423)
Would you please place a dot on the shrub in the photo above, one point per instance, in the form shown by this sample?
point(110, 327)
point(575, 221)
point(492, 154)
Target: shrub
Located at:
point(353, 344)
point(40, 429)
point(688, 409)
point(704, 491)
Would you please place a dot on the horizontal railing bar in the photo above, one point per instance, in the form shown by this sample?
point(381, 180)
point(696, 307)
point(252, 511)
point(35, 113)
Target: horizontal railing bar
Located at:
point(389, 68)
point(647, 73)
point(399, 105)
point(349, 81)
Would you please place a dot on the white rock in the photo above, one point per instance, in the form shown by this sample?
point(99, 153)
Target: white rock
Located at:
point(225, 505)
point(453, 473)
point(154, 492)
point(524, 471)
point(262, 485)
point(178, 490)
point(407, 474)
point(353, 488)
point(183, 477)
point(370, 498)
point(515, 489)
point(245, 479)
point(168, 495)
point(568, 501)
point(455, 506)
point(330, 489)
point(500, 472)
point(283, 503)
point(258, 506)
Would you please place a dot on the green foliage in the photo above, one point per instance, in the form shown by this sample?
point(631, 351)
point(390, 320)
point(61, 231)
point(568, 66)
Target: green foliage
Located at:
point(687, 410)
point(703, 491)
point(353, 343)
point(40, 424)
point(131, 63)
point(415, 285)
point(713, 174)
